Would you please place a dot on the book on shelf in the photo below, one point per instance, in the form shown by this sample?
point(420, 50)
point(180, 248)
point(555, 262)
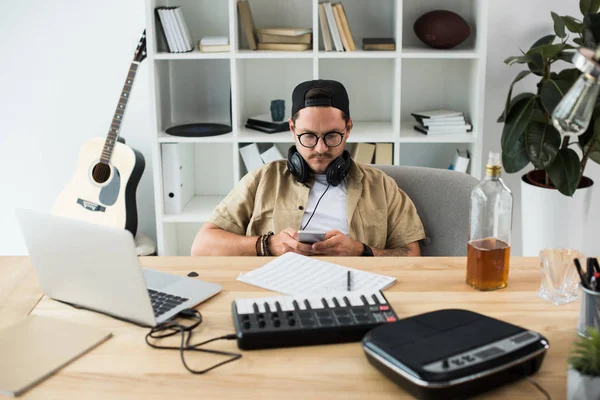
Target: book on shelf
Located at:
point(324, 28)
point(440, 122)
point(343, 27)
point(384, 153)
point(283, 31)
point(174, 29)
point(335, 34)
point(363, 152)
point(461, 160)
point(379, 44)
point(265, 129)
point(443, 130)
point(265, 120)
point(214, 41)
point(214, 44)
point(435, 114)
point(269, 38)
point(214, 48)
point(284, 46)
point(247, 23)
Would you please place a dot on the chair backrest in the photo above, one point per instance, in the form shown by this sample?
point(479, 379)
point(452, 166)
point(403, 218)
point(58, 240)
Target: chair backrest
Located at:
point(442, 199)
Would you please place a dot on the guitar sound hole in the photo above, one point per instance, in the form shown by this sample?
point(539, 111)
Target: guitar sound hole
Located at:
point(101, 172)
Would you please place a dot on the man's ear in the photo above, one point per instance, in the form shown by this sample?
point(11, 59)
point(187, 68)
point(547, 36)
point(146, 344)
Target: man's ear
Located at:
point(291, 124)
point(349, 127)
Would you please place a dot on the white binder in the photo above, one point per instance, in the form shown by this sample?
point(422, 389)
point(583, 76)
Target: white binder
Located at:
point(178, 176)
point(251, 157)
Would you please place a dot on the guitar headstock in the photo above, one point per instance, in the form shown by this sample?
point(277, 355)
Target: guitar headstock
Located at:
point(140, 51)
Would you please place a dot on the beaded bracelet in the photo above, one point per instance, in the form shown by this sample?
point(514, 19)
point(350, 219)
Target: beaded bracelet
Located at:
point(266, 242)
point(258, 245)
point(262, 245)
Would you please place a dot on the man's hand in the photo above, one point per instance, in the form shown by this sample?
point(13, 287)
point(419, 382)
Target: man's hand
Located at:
point(285, 241)
point(337, 244)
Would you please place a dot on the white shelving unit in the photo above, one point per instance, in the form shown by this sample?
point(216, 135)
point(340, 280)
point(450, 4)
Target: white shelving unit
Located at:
point(384, 88)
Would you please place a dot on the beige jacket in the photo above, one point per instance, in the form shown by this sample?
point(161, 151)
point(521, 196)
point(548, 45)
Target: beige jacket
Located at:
point(270, 199)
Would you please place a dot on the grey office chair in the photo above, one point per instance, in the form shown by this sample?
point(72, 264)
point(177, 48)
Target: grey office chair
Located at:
point(442, 198)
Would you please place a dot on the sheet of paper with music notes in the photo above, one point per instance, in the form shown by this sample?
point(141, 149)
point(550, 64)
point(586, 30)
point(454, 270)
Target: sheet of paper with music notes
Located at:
point(294, 274)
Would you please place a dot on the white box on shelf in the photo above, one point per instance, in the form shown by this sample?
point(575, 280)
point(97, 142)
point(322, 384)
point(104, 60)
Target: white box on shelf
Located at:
point(271, 154)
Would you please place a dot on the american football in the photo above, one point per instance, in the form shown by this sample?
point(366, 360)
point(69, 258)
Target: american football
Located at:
point(442, 29)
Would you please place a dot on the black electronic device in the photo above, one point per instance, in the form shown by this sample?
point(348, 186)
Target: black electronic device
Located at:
point(286, 321)
point(453, 354)
point(337, 170)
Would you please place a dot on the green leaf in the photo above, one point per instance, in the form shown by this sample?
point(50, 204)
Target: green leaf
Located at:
point(584, 5)
point(517, 60)
point(536, 63)
point(542, 142)
point(566, 56)
point(589, 6)
point(564, 171)
point(552, 93)
point(547, 50)
point(579, 41)
point(595, 156)
point(559, 25)
point(573, 24)
point(591, 30)
point(514, 101)
point(520, 76)
point(516, 122)
point(516, 158)
point(569, 75)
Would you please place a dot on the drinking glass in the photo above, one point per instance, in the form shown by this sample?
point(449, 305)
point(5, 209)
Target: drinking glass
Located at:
point(560, 281)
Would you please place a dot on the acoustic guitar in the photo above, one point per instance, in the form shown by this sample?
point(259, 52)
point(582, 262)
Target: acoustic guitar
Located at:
point(103, 188)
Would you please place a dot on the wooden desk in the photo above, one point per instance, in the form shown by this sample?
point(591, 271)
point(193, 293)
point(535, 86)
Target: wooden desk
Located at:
point(125, 367)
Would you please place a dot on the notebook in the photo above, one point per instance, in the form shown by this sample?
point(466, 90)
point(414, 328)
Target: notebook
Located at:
point(36, 347)
point(294, 274)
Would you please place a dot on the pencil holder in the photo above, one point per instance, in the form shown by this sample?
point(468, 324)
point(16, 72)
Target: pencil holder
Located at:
point(589, 311)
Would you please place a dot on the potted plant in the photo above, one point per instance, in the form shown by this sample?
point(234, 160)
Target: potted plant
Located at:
point(583, 379)
point(556, 194)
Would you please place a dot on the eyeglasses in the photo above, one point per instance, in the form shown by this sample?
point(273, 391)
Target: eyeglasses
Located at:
point(331, 139)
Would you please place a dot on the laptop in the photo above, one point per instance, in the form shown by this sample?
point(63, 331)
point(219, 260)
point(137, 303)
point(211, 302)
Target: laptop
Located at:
point(96, 267)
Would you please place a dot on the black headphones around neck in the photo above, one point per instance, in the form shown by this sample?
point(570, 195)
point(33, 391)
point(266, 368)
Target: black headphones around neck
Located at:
point(337, 170)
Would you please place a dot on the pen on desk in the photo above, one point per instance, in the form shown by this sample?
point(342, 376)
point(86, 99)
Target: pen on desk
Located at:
point(349, 285)
point(581, 274)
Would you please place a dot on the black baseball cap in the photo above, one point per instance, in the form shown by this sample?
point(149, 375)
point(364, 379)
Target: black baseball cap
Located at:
point(338, 98)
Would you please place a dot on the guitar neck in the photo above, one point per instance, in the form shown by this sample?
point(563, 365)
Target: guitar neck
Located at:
point(115, 126)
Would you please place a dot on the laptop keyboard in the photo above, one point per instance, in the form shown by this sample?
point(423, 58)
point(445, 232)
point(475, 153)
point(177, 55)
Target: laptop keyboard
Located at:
point(163, 302)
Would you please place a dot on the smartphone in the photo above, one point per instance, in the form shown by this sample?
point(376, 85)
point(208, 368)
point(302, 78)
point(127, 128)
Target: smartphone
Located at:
point(310, 236)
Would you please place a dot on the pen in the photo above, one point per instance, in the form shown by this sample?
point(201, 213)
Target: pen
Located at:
point(596, 265)
point(348, 282)
point(590, 270)
point(581, 275)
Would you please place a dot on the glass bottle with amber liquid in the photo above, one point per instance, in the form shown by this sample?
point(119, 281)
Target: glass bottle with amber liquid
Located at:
point(491, 209)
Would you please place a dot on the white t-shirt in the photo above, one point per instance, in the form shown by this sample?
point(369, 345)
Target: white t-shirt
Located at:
point(332, 210)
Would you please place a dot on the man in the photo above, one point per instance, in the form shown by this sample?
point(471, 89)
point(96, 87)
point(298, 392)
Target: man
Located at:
point(319, 188)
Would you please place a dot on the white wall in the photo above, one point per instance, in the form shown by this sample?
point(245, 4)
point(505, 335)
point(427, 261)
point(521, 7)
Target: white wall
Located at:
point(64, 63)
point(514, 25)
